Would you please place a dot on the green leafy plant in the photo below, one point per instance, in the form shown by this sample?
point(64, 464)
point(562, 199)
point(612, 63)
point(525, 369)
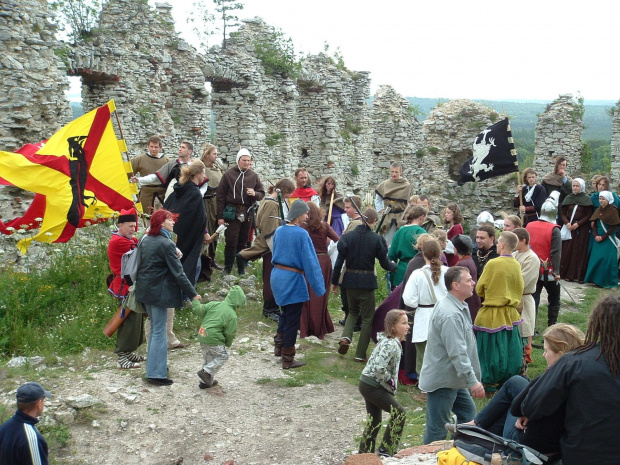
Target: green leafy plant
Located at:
point(77, 17)
point(420, 153)
point(277, 55)
point(273, 139)
point(433, 150)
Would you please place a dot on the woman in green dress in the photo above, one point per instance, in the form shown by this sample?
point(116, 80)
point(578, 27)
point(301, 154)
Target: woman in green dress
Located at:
point(603, 262)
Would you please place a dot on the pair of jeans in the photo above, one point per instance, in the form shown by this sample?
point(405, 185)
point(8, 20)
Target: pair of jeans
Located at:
point(157, 354)
point(288, 323)
point(439, 404)
point(361, 302)
point(496, 416)
point(379, 400)
point(214, 357)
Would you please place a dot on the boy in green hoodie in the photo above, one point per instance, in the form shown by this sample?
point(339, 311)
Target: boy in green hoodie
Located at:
point(217, 331)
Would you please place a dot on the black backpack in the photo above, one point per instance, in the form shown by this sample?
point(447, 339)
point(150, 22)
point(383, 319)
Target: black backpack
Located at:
point(479, 445)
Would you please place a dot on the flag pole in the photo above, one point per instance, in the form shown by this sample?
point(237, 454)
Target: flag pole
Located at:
point(518, 173)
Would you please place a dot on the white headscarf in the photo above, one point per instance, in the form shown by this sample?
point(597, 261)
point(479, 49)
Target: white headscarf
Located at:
point(608, 195)
point(582, 183)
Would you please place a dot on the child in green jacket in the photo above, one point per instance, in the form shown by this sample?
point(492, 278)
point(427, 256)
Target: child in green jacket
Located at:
point(217, 331)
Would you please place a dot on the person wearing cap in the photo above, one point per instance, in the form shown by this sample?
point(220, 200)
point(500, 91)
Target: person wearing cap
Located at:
point(20, 441)
point(130, 333)
point(294, 260)
point(463, 246)
point(360, 248)
point(239, 188)
point(603, 263)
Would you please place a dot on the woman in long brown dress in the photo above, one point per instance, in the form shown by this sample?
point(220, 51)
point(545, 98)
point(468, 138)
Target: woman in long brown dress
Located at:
point(575, 215)
point(315, 319)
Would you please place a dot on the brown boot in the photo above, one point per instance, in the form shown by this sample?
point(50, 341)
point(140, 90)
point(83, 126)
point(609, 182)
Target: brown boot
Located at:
point(288, 358)
point(277, 349)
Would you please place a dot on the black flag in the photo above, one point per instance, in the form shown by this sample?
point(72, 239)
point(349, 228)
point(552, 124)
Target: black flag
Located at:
point(494, 155)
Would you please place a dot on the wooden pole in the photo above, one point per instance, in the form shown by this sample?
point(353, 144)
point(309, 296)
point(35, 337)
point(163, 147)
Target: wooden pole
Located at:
point(331, 206)
point(518, 173)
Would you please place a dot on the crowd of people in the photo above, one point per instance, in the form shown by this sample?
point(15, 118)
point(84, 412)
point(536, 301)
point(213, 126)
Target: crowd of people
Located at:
point(461, 313)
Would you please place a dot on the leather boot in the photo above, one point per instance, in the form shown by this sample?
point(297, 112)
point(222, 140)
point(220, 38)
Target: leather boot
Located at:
point(277, 340)
point(552, 314)
point(229, 260)
point(288, 358)
point(240, 263)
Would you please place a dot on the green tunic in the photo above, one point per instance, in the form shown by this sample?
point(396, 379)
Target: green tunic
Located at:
point(401, 250)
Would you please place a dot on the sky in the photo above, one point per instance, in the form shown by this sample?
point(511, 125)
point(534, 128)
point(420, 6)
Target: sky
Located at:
point(530, 50)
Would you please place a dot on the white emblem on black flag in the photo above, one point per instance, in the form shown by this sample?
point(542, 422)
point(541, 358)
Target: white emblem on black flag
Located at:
point(494, 155)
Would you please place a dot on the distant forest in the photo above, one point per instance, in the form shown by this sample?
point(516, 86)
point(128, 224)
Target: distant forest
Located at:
point(523, 118)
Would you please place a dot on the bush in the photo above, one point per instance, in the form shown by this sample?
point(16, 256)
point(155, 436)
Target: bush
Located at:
point(277, 55)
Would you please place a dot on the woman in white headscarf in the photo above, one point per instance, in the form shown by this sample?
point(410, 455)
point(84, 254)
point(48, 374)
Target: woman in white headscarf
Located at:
point(575, 215)
point(603, 262)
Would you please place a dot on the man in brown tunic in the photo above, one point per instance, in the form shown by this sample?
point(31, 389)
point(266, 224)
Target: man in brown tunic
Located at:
point(149, 163)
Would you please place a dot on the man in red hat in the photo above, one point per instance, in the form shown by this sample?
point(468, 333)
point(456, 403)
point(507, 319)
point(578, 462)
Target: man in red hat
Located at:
point(130, 333)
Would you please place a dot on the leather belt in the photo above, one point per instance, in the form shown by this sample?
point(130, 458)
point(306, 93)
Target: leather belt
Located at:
point(426, 306)
point(360, 271)
point(288, 268)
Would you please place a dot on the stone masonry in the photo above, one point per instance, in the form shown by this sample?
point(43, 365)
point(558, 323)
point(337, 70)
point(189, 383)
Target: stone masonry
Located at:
point(32, 101)
point(155, 78)
point(558, 133)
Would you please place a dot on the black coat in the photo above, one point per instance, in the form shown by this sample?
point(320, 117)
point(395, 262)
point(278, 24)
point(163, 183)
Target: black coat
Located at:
point(187, 201)
point(161, 280)
point(360, 248)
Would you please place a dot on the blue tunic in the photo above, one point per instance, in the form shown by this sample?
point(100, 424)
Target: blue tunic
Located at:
point(293, 247)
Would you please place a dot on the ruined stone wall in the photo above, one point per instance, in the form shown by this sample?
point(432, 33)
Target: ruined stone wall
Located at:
point(558, 133)
point(32, 104)
point(396, 136)
point(319, 122)
point(155, 78)
point(449, 132)
point(615, 145)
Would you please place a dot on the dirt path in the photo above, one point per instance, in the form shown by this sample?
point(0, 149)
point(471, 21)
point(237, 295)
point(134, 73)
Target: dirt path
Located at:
point(242, 420)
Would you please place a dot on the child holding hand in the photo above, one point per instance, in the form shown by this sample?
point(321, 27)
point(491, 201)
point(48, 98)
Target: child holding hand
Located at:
point(217, 331)
point(378, 386)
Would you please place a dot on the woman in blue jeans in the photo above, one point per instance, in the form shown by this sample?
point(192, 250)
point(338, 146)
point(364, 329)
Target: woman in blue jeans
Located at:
point(503, 416)
point(160, 284)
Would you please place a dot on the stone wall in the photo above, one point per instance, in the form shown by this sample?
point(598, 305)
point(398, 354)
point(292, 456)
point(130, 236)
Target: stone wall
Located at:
point(558, 133)
point(155, 78)
point(396, 135)
point(615, 145)
point(450, 130)
point(32, 102)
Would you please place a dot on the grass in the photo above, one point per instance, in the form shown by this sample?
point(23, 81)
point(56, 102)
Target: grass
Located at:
point(59, 312)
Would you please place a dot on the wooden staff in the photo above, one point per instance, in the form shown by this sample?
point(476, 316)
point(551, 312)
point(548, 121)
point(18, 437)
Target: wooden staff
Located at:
point(518, 173)
point(331, 206)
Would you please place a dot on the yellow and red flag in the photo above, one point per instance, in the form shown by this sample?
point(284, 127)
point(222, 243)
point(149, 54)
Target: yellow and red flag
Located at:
point(79, 177)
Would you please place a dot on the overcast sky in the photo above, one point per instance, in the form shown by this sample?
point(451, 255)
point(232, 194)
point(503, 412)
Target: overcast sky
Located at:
point(525, 49)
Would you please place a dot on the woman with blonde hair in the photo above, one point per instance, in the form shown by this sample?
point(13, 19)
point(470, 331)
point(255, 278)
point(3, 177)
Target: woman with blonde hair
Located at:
point(503, 415)
point(191, 226)
point(424, 288)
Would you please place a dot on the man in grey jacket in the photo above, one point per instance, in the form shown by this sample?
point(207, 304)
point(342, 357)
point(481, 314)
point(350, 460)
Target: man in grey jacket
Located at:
point(451, 365)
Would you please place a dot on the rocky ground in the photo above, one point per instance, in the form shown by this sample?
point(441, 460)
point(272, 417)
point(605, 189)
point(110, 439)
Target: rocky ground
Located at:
point(249, 418)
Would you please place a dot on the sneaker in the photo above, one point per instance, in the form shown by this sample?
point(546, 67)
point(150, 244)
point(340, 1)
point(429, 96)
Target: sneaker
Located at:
point(361, 360)
point(206, 378)
point(383, 452)
point(343, 346)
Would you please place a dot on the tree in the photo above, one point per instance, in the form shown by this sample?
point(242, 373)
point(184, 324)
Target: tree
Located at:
point(203, 21)
point(77, 18)
point(226, 10)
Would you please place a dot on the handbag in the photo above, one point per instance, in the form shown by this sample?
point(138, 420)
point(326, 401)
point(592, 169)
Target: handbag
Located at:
point(229, 213)
point(565, 232)
point(131, 303)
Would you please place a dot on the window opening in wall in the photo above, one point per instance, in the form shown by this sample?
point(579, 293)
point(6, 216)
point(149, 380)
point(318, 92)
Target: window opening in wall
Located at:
point(377, 152)
point(304, 153)
point(74, 95)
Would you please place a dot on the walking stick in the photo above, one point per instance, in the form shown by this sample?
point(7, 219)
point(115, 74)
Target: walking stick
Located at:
point(331, 206)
